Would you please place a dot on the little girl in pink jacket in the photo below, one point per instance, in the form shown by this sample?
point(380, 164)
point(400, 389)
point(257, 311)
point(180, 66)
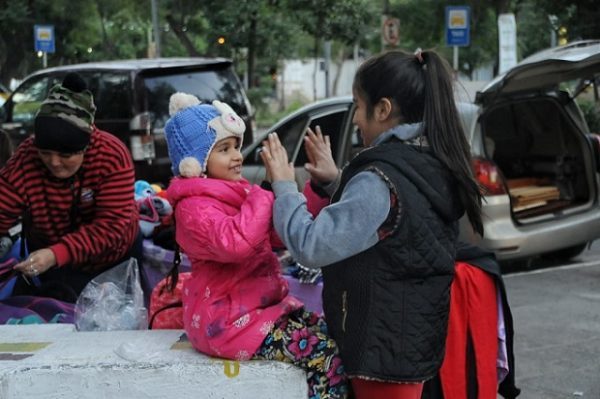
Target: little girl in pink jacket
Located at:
point(236, 304)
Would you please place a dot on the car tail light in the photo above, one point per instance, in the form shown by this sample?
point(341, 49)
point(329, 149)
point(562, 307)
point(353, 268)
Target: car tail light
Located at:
point(489, 177)
point(142, 144)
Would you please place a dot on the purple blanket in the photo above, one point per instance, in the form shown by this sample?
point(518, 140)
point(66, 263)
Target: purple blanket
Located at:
point(35, 310)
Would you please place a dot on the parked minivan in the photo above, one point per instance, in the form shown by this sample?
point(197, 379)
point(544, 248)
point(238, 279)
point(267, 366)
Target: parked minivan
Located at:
point(132, 100)
point(532, 153)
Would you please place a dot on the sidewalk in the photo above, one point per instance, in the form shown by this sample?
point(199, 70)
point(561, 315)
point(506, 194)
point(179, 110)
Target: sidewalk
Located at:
point(557, 330)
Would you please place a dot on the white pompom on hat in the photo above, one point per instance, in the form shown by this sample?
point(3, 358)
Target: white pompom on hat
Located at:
point(193, 130)
point(179, 101)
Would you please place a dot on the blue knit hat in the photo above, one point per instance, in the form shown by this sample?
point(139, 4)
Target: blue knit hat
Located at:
point(193, 130)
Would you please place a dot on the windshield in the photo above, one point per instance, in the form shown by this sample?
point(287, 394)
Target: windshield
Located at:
point(206, 85)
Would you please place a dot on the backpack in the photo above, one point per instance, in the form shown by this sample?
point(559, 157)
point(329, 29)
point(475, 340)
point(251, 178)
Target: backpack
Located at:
point(166, 306)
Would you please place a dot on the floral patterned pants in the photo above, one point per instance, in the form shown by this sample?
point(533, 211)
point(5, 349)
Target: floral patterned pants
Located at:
point(301, 339)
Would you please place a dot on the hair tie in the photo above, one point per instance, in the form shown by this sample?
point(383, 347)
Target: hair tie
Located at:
point(419, 55)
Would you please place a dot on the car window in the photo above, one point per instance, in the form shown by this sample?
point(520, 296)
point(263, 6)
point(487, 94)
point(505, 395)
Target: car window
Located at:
point(112, 94)
point(290, 133)
point(587, 98)
point(28, 98)
point(206, 85)
point(332, 125)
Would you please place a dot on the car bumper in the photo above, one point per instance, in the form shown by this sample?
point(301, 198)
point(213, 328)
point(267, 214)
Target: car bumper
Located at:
point(510, 241)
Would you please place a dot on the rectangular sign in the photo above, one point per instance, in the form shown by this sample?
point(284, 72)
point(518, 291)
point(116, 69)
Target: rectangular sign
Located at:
point(458, 29)
point(43, 38)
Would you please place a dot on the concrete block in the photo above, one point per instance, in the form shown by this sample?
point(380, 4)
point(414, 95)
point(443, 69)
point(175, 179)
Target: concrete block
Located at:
point(58, 362)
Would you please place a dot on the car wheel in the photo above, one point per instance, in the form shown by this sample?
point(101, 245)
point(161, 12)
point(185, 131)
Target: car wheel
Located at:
point(566, 253)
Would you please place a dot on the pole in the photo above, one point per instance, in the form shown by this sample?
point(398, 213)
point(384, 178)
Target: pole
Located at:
point(553, 20)
point(455, 59)
point(156, 29)
point(327, 49)
point(45, 59)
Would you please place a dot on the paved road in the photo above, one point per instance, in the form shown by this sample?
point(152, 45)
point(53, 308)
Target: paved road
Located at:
point(557, 328)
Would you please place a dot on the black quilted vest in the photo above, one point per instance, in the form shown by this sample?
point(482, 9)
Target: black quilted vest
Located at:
point(387, 307)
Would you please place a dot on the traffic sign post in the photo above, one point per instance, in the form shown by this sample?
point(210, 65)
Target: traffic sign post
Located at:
point(43, 40)
point(458, 30)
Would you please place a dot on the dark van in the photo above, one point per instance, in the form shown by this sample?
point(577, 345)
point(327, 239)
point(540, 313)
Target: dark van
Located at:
point(132, 99)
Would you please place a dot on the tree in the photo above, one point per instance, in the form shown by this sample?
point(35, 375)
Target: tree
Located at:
point(346, 21)
point(422, 24)
point(533, 29)
point(14, 20)
point(579, 17)
point(84, 30)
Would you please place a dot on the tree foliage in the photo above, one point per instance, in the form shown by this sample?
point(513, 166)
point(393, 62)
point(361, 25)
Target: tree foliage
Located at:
point(259, 33)
point(579, 17)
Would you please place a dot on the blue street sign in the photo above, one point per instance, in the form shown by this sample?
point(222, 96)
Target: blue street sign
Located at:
point(458, 26)
point(43, 38)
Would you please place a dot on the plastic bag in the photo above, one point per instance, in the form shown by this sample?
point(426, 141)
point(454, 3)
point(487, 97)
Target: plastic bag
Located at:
point(113, 300)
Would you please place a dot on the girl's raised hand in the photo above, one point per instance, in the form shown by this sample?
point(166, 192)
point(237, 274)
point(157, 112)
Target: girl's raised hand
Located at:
point(275, 158)
point(321, 166)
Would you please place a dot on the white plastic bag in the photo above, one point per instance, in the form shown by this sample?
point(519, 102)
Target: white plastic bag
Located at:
point(113, 300)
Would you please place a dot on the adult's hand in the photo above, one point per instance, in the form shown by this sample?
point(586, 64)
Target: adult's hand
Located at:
point(37, 262)
point(275, 158)
point(321, 166)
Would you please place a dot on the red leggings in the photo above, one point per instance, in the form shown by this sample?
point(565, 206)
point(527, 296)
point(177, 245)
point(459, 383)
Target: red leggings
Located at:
point(366, 389)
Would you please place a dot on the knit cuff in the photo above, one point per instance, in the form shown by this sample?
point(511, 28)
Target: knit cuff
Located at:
point(61, 252)
point(327, 188)
point(318, 189)
point(266, 185)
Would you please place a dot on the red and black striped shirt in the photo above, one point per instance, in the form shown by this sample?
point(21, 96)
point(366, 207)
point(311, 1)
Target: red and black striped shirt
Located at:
point(90, 233)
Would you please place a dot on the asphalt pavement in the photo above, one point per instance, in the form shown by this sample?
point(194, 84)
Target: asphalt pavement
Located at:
point(556, 311)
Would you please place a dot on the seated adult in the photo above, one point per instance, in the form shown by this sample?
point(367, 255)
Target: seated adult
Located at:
point(5, 148)
point(72, 186)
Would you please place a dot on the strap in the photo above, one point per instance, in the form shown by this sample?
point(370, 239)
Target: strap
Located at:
point(174, 272)
point(25, 231)
point(173, 276)
point(177, 304)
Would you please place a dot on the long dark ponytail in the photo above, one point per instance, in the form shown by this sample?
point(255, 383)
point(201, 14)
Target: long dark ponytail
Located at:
point(420, 86)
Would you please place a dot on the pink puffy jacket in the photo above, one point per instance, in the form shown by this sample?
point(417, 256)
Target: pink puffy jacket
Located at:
point(236, 292)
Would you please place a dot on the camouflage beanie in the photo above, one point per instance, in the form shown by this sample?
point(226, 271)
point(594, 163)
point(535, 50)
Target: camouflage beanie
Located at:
point(64, 122)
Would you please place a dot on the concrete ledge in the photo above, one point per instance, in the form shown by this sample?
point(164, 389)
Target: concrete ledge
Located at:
point(57, 362)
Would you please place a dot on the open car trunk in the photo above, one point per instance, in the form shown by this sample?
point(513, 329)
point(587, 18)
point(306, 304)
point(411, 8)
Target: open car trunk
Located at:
point(542, 156)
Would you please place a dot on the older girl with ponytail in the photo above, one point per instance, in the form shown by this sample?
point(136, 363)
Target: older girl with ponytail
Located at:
point(386, 243)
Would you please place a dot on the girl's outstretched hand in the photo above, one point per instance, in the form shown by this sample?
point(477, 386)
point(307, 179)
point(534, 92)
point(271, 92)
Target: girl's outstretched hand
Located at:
point(275, 158)
point(321, 166)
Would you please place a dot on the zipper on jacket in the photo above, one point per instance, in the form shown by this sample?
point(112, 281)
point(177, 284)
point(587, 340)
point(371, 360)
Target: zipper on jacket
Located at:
point(344, 309)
